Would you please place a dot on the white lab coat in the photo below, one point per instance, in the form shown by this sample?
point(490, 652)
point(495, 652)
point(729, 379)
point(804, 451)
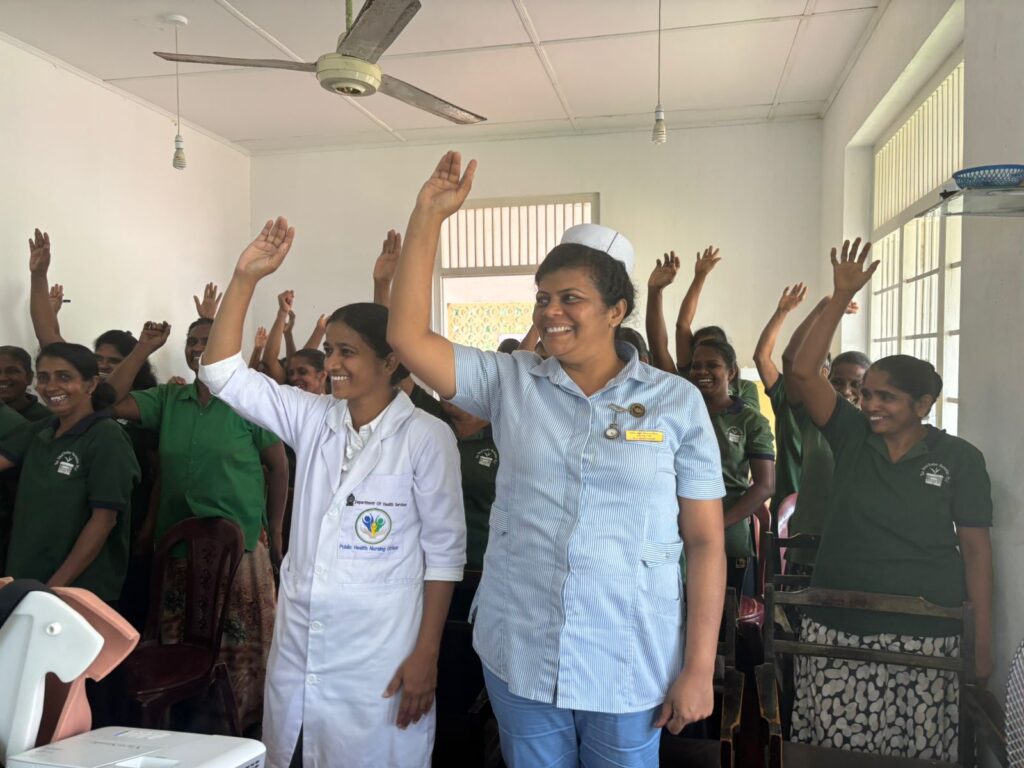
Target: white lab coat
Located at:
point(361, 545)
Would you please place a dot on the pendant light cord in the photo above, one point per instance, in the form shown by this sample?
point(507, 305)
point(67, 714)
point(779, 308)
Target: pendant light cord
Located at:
point(659, 51)
point(177, 79)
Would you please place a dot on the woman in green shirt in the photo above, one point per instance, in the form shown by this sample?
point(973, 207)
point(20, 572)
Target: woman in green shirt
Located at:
point(77, 473)
point(15, 376)
point(748, 459)
point(910, 511)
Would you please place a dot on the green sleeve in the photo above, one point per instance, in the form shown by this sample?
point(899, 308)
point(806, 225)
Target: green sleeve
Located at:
point(151, 405)
point(972, 490)
point(777, 395)
point(113, 469)
point(760, 442)
point(15, 444)
point(262, 438)
point(10, 420)
point(847, 427)
point(748, 394)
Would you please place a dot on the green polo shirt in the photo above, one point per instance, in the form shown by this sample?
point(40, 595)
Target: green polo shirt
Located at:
point(209, 460)
point(10, 420)
point(479, 459)
point(788, 442)
point(144, 446)
point(811, 511)
point(35, 410)
point(63, 479)
point(743, 434)
point(747, 392)
point(891, 525)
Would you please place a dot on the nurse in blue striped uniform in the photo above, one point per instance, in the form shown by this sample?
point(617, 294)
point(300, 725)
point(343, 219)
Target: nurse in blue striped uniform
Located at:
point(609, 469)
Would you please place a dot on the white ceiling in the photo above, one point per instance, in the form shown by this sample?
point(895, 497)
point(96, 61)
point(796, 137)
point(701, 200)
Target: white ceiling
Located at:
point(532, 67)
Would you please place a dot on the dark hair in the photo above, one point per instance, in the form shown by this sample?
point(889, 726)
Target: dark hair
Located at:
point(24, 358)
point(852, 358)
point(370, 321)
point(82, 360)
point(312, 356)
point(508, 346)
point(634, 337)
point(609, 275)
point(124, 343)
point(710, 333)
point(200, 321)
point(909, 374)
point(723, 348)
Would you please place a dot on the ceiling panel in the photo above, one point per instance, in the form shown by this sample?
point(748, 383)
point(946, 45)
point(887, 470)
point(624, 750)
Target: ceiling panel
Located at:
point(822, 49)
point(619, 75)
point(503, 85)
point(827, 6)
point(588, 18)
point(117, 39)
point(484, 131)
point(673, 118)
point(242, 104)
point(799, 109)
point(440, 25)
point(319, 141)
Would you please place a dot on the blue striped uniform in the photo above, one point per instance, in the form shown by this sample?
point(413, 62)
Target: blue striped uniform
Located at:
point(580, 603)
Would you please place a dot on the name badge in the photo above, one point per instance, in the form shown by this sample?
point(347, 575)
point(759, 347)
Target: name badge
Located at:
point(644, 436)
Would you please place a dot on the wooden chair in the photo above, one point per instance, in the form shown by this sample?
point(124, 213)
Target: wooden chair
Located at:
point(974, 704)
point(160, 675)
point(775, 548)
point(684, 750)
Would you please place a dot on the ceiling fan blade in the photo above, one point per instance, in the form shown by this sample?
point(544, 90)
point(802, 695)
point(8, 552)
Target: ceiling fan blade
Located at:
point(376, 27)
point(410, 94)
point(298, 66)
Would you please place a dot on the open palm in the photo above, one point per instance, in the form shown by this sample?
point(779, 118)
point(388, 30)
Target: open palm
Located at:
point(664, 271)
point(447, 188)
point(266, 253)
point(848, 267)
point(39, 253)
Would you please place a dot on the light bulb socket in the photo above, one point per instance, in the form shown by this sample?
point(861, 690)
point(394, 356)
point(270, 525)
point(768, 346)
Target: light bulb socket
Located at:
point(660, 133)
point(179, 153)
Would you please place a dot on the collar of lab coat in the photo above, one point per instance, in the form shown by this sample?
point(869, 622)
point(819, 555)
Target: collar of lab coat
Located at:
point(332, 450)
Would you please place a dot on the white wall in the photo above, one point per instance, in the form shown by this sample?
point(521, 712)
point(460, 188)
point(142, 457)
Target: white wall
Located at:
point(991, 366)
point(751, 189)
point(132, 238)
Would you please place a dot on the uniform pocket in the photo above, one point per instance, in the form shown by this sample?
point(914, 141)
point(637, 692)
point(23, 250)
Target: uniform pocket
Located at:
point(378, 533)
point(661, 585)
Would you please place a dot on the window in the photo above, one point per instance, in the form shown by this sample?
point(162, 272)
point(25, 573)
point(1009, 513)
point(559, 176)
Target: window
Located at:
point(915, 294)
point(490, 250)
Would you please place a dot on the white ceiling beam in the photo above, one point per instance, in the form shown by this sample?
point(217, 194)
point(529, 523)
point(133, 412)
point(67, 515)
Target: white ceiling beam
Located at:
point(858, 49)
point(531, 32)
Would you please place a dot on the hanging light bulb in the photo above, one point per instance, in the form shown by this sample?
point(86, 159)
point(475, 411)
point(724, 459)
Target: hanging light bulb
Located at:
point(178, 160)
point(659, 135)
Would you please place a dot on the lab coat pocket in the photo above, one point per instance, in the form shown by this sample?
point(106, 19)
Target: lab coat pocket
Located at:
point(379, 532)
point(661, 585)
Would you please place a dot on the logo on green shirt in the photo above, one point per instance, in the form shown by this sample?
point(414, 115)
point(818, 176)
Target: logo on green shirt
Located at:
point(935, 474)
point(67, 463)
point(488, 457)
point(734, 435)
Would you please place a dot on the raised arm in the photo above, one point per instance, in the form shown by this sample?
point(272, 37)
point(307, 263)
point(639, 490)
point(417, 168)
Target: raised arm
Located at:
point(44, 319)
point(688, 309)
point(289, 339)
point(766, 368)
point(316, 338)
point(662, 275)
point(271, 365)
point(260, 258)
point(850, 272)
point(153, 336)
point(384, 268)
point(207, 308)
point(427, 354)
point(258, 345)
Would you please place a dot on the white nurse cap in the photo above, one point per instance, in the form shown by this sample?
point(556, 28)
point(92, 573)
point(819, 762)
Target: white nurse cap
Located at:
point(604, 239)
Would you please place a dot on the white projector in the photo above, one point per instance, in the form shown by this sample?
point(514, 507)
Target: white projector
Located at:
point(143, 748)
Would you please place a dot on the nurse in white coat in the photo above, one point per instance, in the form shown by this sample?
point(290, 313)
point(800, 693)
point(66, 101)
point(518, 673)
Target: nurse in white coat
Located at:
point(378, 538)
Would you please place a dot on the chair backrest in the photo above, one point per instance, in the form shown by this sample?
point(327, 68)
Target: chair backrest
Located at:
point(213, 550)
point(762, 531)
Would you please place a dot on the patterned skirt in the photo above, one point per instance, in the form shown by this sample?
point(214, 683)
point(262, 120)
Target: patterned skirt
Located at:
point(881, 709)
point(248, 628)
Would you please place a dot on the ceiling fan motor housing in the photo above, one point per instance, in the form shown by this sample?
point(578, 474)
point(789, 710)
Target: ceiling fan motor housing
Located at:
point(346, 75)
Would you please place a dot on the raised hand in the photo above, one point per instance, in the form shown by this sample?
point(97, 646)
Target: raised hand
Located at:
point(706, 261)
point(266, 253)
point(848, 272)
point(207, 308)
point(177, 380)
point(791, 297)
point(852, 308)
point(289, 324)
point(321, 325)
point(447, 188)
point(384, 268)
point(154, 335)
point(285, 299)
point(56, 297)
point(261, 338)
point(664, 271)
point(39, 253)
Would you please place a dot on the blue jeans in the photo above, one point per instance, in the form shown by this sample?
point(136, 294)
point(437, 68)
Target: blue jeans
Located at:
point(539, 735)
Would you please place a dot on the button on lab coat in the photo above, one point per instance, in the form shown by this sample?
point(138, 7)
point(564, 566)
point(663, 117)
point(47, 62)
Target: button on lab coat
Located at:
point(362, 543)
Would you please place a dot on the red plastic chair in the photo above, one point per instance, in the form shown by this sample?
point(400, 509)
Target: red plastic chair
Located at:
point(158, 675)
point(752, 608)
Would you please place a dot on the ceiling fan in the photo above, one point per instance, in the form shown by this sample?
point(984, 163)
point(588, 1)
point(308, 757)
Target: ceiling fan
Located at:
point(352, 70)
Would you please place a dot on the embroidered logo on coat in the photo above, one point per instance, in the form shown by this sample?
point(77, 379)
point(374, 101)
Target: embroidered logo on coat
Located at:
point(373, 526)
point(935, 474)
point(488, 457)
point(67, 463)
